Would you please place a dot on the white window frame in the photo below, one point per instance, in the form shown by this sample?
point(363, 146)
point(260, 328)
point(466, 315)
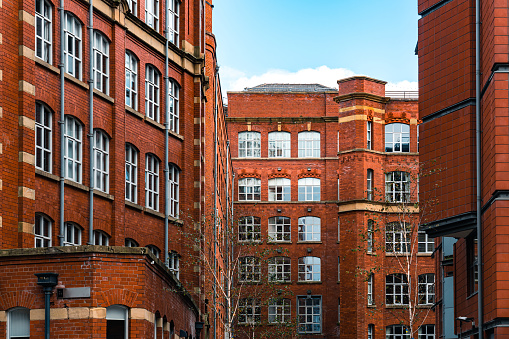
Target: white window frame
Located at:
point(280, 189)
point(249, 311)
point(250, 229)
point(249, 144)
point(425, 243)
point(369, 134)
point(309, 144)
point(310, 268)
point(427, 331)
point(397, 238)
point(279, 269)
point(152, 78)
point(131, 173)
point(43, 30)
point(396, 289)
point(18, 323)
point(152, 182)
point(43, 137)
point(73, 57)
point(173, 106)
point(397, 187)
point(131, 80)
point(279, 311)
point(397, 332)
point(174, 22)
point(249, 269)
point(369, 184)
point(133, 7)
point(426, 289)
point(72, 234)
point(73, 136)
point(370, 236)
point(174, 194)
point(42, 231)
point(279, 144)
point(101, 238)
point(309, 189)
point(371, 331)
point(101, 66)
point(101, 161)
point(154, 250)
point(370, 295)
point(280, 229)
point(152, 14)
point(309, 228)
point(249, 189)
point(174, 264)
point(397, 138)
point(312, 306)
point(119, 312)
point(129, 242)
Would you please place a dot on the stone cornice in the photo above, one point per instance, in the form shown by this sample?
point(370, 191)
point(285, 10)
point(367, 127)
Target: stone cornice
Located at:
point(361, 96)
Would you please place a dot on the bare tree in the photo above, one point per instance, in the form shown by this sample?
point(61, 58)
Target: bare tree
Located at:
point(398, 251)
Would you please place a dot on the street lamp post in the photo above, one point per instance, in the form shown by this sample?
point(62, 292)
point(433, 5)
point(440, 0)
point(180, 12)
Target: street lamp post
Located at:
point(47, 281)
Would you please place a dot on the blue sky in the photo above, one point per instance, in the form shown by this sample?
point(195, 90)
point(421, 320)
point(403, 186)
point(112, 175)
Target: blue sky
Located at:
point(297, 41)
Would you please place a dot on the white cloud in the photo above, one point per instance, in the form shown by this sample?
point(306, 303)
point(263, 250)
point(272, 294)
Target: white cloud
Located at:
point(236, 80)
point(404, 85)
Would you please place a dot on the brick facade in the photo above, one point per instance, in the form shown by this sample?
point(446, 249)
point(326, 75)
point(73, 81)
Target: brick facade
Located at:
point(343, 208)
point(447, 104)
point(27, 80)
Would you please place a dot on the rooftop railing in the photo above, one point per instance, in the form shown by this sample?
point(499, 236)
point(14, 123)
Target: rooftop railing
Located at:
point(402, 94)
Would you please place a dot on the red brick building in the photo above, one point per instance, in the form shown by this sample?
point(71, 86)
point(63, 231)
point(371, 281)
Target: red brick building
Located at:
point(472, 192)
point(327, 179)
point(106, 167)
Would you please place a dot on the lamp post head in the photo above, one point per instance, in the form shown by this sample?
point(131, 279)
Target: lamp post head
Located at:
point(47, 279)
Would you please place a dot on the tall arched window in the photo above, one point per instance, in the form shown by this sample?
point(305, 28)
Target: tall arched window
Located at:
point(309, 189)
point(309, 229)
point(249, 189)
point(131, 173)
point(72, 148)
point(152, 93)
point(43, 137)
point(279, 189)
point(397, 137)
point(279, 145)
point(174, 195)
point(249, 229)
point(72, 234)
point(131, 80)
point(101, 161)
point(133, 7)
point(152, 14)
point(396, 289)
point(309, 144)
point(249, 144)
point(72, 49)
point(173, 105)
point(279, 229)
point(279, 269)
point(101, 238)
point(42, 230)
point(152, 182)
point(43, 30)
point(397, 186)
point(309, 269)
point(101, 65)
point(173, 22)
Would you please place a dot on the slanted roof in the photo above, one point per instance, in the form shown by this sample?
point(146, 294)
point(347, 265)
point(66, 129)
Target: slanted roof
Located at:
point(303, 88)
